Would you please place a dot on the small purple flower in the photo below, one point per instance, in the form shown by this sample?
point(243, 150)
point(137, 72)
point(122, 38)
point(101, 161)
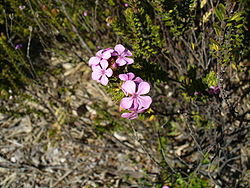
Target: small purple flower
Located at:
point(121, 52)
point(126, 77)
point(85, 13)
point(102, 72)
point(21, 7)
point(214, 90)
point(197, 93)
point(165, 186)
point(100, 55)
point(18, 46)
point(126, 4)
point(136, 101)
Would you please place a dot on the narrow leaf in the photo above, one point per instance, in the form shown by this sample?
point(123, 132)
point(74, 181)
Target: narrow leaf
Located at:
point(219, 14)
point(237, 17)
point(217, 29)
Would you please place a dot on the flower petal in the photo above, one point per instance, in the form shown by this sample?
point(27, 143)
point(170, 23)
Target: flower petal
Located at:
point(110, 50)
point(126, 115)
point(132, 115)
point(128, 60)
point(123, 77)
point(96, 68)
point(106, 54)
point(96, 75)
point(143, 88)
point(127, 53)
point(141, 110)
point(94, 61)
point(119, 48)
point(138, 80)
point(104, 64)
point(129, 86)
point(144, 101)
point(135, 105)
point(120, 61)
point(99, 53)
point(126, 102)
point(104, 80)
point(130, 75)
point(109, 72)
point(126, 93)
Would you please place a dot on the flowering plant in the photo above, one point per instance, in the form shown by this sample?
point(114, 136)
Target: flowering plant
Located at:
point(105, 63)
point(214, 90)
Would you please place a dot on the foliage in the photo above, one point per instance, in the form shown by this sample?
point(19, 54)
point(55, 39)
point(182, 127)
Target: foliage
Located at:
point(183, 48)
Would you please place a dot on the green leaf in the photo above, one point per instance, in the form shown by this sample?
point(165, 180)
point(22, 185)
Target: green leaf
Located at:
point(222, 9)
point(239, 26)
point(237, 17)
point(217, 29)
point(220, 12)
point(214, 42)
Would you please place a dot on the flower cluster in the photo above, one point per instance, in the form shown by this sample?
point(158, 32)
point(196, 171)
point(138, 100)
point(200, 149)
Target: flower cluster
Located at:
point(134, 89)
point(103, 65)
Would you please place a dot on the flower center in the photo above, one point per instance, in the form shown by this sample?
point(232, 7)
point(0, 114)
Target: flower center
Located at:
point(135, 95)
point(103, 72)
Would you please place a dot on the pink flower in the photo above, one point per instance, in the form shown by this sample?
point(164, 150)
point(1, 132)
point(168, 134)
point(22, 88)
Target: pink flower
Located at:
point(100, 55)
point(121, 52)
point(213, 90)
point(85, 13)
point(133, 114)
point(126, 4)
point(165, 186)
point(130, 76)
point(197, 93)
point(102, 72)
point(21, 7)
point(18, 46)
point(136, 101)
point(126, 77)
